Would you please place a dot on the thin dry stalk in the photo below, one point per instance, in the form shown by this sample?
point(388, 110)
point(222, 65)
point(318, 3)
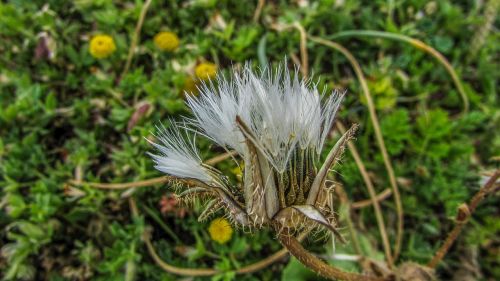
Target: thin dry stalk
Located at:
point(258, 10)
point(319, 266)
point(209, 271)
point(304, 57)
point(368, 202)
point(135, 37)
point(193, 272)
point(148, 182)
point(378, 135)
point(463, 215)
point(419, 45)
point(373, 197)
point(344, 200)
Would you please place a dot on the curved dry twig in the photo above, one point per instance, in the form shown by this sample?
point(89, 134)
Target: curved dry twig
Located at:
point(304, 57)
point(378, 135)
point(368, 202)
point(148, 182)
point(419, 45)
point(258, 10)
point(319, 266)
point(463, 215)
point(135, 38)
point(373, 196)
point(207, 271)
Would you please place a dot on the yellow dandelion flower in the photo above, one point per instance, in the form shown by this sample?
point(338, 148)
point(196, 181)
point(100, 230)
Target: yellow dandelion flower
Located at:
point(101, 46)
point(206, 71)
point(220, 230)
point(238, 171)
point(166, 41)
point(189, 86)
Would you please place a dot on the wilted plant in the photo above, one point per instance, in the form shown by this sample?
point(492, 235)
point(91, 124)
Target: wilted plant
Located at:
point(278, 125)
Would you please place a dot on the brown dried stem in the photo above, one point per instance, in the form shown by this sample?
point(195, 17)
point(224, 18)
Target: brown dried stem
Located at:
point(304, 57)
point(373, 197)
point(148, 182)
point(135, 37)
point(258, 10)
point(464, 212)
point(207, 271)
point(319, 266)
point(378, 135)
point(419, 45)
point(344, 200)
point(368, 202)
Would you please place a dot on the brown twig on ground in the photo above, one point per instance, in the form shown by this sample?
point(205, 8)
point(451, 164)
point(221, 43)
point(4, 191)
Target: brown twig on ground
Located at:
point(373, 197)
point(207, 271)
point(135, 38)
point(419, 45)
point(258, 10)
point(378, 136)
point(148, 182)
point(463, 215)
point(344, 200)
point(319, 266)
point(368, 202)
point(304, 57)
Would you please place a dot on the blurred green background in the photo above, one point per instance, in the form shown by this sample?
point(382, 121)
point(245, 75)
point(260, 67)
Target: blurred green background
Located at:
point(69, 114)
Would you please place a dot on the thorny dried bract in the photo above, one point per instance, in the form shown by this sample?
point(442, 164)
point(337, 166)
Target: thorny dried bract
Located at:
point(277, 123)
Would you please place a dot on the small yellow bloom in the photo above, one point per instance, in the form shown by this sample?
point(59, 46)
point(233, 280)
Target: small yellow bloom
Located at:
point(190, 86)
point(238, 171)
point(101, 46)
point(206, 71)
point(220, 230)
point(166, 41)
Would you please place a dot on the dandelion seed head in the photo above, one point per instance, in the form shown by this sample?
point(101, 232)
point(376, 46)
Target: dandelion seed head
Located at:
point(178, 155)
point(283, 112)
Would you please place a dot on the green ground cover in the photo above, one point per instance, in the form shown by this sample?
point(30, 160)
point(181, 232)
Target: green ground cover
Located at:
point(72, 110)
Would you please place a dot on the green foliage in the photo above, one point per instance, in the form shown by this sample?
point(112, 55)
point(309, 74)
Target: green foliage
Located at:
point(65, 114)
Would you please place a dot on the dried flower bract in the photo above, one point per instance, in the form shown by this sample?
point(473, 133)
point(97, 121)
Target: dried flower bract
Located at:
point(278, 124)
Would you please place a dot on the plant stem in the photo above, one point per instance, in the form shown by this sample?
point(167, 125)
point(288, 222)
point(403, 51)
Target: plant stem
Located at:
point(135, 37)
point(304, 57)
point(344, 201)
point(207, 271)
point(378, 136)
point(317, 265)
point(373, 197)
point(367, 202)
point(463, 215)
point(165, 227)
point(417, 44)
point(148, 182)
point(258, 10)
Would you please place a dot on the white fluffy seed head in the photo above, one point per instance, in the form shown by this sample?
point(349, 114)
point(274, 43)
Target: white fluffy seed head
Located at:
point(178, 155)
point(283, 113)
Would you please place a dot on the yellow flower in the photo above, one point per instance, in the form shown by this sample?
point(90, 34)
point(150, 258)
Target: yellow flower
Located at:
point(101, 46)
point(166, 41)
point(206, 71)
point(220, 230)
point(190, 86)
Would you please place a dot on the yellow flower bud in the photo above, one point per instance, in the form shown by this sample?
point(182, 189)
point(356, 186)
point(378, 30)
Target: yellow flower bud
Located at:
point(101, 46)
point(189, 86)
point(206, 71)
point(220, 230)
point(166, 41)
